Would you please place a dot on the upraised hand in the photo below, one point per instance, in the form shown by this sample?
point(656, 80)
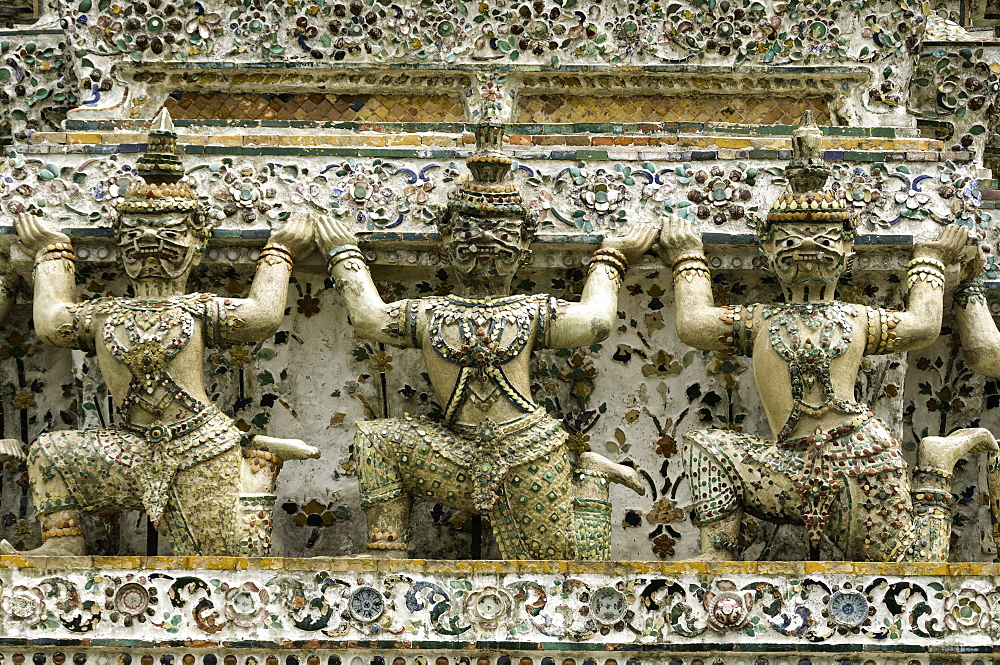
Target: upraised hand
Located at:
point(973, 265)
point(35, 234)
point(945, 249)
point(634, 243)
point(296, 235)
point(332, 233)
point(677, 236)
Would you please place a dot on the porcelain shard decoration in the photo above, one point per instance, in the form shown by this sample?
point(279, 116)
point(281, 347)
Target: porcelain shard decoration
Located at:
point(496, 452)
point(833, 466)
point(176, 455)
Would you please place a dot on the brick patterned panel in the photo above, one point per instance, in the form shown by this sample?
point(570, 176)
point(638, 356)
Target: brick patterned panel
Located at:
point(315, 107)
point(656, 108)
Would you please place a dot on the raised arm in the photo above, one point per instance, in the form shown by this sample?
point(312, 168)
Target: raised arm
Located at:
point(591, 320)
point(371, 317)
point(920, 324)
point(55, 279)
point(976, 327)
point(259, 315)
point(699, 322)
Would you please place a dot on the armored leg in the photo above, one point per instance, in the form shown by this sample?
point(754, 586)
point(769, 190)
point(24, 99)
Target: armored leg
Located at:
point(592, 506)
point(932, 498)
point(533, 517)
point(59, 511)
point(201, 516)
point(395, 464)
point(592, 516)
point(716, 493)
point(872, 519)
point(384, 498)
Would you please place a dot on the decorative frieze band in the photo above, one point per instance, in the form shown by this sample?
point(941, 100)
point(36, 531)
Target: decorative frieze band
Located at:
point(319, 606)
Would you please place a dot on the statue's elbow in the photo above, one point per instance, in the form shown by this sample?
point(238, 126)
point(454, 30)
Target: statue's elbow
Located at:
point(600, 328)
point(922, 337)
point(984, 360)
point(688, 331)
point(272, 327)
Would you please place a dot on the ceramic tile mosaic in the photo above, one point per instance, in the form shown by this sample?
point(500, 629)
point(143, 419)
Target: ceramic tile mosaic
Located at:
point(78, 89)
point(425, 611)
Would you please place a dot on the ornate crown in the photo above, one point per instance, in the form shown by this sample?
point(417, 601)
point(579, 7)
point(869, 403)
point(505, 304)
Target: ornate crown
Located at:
point(807, 200)
point(160, 189)
point(488, 193)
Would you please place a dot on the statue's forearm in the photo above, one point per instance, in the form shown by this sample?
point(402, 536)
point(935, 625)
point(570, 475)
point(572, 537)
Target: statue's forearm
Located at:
point(977, 329)
point(55, 293)
point(920, 323)
point(369, 313)
point(699, 322)
point(592, 319)
point(263, 310)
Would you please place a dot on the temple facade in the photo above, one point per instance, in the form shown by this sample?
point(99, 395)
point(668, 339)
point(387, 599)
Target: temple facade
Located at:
point(269, 122)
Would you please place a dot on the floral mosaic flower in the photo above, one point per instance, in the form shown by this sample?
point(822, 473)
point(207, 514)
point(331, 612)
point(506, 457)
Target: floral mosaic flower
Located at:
point(107, 29)
point(239, 356)
point(24, 604)
point(601, 195)
point(718, 195)
point(665, 511)
point(251, 29)
point(727, 609)
point(203, 23)
point(245, 605)
point(913, 197)
point(129, 599)
point(967, 609)
point(488, 607)
point(365, 193)
point(663, 546)
point(364, 189)
point(308, 305)
point(246, 190)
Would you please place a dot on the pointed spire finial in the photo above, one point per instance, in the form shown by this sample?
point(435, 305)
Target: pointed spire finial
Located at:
point(807, 172)
point(808, 200)
point(489, 193)
point(163, 122)
point(160, 164)
point(489, 164)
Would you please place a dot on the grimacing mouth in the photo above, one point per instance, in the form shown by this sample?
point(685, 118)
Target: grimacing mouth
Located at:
point(138, 252)
point(465, 250)
point(791, 261)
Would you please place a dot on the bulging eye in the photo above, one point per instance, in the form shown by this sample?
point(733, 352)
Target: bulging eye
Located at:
point(826, 242)
point(788, 242)
point(170, 235)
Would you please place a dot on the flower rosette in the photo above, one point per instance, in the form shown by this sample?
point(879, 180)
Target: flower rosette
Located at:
point(726, 607)
point(245, 605)
point(967, 609)
point(130, 600)
point(23, 604)
point(848, 610)
point(488, 608)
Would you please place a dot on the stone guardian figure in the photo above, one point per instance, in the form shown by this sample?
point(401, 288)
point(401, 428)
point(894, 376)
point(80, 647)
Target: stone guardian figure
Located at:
point(9, 448)
point(981, 346)
point(496, 453)
point(832, 466)
point(175, 454)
